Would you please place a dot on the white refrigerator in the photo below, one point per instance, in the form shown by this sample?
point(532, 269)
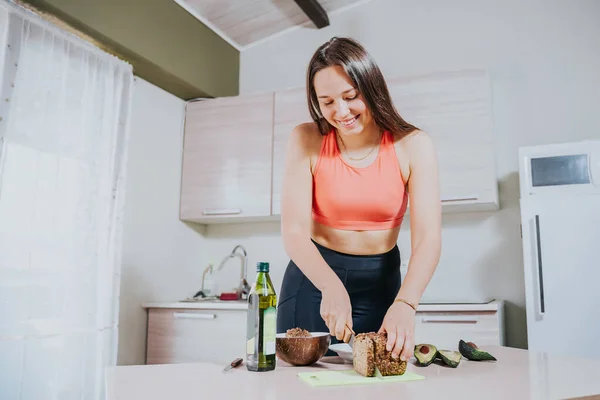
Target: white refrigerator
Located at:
point(560, 221)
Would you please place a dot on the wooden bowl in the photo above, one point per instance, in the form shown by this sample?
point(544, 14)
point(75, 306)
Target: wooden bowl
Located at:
point(302, 350)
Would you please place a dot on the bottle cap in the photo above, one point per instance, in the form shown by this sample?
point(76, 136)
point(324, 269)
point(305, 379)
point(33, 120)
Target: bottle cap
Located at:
point(262, 266)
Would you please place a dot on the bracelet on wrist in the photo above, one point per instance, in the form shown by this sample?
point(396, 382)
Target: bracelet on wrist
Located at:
point(413, 306)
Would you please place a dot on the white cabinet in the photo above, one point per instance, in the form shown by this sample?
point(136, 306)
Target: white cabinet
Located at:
point(226, 171)
point(191, 335)
point(181, 335)
point(444, 325)
point(455, 110)
point(234, 148)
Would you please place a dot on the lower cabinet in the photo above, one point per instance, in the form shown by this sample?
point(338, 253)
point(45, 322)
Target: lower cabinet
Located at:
point(192, 335)
point(443, 326)
point(219, 336)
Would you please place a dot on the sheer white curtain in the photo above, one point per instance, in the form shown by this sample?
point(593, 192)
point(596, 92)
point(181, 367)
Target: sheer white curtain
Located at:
point(64, 114)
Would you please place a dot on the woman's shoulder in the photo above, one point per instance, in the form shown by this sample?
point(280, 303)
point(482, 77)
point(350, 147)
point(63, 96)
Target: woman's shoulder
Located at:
point(412, 149)
point(307, 137)
point(405, 137)
point(413, 142)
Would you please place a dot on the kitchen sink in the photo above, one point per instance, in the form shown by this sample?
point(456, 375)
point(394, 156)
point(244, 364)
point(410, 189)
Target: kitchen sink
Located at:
point(199, 299)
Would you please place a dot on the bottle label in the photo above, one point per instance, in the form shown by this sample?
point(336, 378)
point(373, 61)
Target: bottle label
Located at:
point(270, 328)
point(251, 324)
point(250, 346)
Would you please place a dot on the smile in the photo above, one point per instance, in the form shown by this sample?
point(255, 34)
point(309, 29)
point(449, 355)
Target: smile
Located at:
point(347, 123)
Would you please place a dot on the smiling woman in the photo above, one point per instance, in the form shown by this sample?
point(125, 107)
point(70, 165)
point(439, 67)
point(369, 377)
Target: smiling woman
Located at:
point(349, 176)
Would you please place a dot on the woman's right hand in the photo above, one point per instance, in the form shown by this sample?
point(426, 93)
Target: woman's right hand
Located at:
point(336, 311)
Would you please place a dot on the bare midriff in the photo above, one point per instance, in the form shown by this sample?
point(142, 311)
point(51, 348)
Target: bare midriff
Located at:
point(355, 242)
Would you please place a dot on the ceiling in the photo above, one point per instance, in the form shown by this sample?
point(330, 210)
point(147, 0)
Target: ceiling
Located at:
point(244, 23)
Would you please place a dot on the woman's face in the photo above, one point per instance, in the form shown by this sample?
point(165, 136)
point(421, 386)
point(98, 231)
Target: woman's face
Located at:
point(340, 102)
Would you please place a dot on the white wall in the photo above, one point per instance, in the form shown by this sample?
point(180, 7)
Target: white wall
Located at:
point(543, 60)
point(161, 255)
point(3, 33)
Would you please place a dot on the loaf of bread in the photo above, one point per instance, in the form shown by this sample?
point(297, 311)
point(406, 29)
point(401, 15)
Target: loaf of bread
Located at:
point(369, 354)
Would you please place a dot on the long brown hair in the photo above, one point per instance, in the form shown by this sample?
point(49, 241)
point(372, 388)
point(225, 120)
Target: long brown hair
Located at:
point(367, 79)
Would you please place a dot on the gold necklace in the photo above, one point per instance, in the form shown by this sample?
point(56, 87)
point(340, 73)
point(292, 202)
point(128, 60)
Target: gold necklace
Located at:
point(352, 158)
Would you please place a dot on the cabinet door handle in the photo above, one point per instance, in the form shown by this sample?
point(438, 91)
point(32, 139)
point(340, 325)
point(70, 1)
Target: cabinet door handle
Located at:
point(460, 198)
point(221, 211)
point(194, 316)
point(540, 275)
point(450, 318)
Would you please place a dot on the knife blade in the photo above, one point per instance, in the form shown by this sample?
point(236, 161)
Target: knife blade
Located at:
point(233, 364)
point(351, 341)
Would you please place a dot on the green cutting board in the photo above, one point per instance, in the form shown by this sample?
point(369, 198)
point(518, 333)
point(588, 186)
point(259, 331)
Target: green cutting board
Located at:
point(351, 377)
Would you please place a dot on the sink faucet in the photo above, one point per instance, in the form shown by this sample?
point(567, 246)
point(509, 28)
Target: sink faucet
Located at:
point(239, 251)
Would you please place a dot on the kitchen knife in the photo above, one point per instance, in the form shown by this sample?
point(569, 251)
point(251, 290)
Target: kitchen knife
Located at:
point(233, 364)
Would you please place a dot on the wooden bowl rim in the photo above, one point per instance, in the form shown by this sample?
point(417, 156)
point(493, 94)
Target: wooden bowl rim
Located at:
point(312, 335)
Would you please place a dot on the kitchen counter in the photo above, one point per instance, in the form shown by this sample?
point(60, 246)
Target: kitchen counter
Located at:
point(494, 305)
point(201, 305)
point(518, 374)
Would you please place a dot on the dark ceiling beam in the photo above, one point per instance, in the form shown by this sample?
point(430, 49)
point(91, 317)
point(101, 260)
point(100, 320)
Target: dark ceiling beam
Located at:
point(315, 12)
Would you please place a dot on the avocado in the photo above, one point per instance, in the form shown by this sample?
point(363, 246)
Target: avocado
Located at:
point(425, 354)
point(450, 358)
point(471, 351)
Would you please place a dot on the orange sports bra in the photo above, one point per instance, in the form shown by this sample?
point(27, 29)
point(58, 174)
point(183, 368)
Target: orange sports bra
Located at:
point(358, 198)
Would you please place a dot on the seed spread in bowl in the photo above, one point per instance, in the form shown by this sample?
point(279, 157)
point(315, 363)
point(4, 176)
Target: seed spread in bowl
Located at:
point(297, 333)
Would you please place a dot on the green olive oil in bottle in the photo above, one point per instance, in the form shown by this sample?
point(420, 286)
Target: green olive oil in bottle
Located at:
point(261, 324)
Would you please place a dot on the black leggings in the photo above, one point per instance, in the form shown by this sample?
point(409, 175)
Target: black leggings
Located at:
point(372, 282)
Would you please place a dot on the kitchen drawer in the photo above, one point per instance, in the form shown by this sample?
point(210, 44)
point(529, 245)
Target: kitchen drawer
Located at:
point(190, 335)
point(445, 329)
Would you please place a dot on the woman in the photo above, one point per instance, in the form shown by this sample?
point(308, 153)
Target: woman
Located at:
point(348, 177)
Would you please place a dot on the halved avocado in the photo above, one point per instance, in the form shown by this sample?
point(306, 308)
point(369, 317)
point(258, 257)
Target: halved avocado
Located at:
point(425, 354)
point(469, 350)
point(450, 358)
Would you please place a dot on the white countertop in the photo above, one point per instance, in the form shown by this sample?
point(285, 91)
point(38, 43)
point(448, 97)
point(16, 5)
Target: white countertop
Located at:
point(494, 305)
point(518, 374)
point(201, 305)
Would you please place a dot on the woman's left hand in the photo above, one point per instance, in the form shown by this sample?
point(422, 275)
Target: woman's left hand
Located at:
point(399, 324)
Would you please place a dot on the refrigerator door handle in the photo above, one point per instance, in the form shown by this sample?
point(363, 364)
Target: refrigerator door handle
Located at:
point(540, 276)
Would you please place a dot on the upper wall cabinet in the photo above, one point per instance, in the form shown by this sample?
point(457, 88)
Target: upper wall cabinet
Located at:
point(290, 110)
point(227, 159)
point(234, 148)
point(455, 110)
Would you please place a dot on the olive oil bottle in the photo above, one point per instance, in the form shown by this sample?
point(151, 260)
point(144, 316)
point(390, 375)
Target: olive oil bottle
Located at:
point(262, 320)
